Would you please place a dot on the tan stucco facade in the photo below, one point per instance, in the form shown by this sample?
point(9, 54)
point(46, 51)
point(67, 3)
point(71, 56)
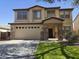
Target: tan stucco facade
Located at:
point(39, 28)
point(37, 31)
point(76, 24)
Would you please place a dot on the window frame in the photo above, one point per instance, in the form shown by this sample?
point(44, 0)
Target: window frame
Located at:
point(52, 13)
point(64, 14)
point(22, 16)
point(34, 15)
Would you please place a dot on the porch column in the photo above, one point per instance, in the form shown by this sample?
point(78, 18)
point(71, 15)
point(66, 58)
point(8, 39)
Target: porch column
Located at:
point(45, 32)
point(56, 31)
point(60, 31)
point(12, 33)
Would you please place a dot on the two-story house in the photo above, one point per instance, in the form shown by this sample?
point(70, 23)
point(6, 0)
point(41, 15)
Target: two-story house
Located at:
point(4, 32)
point(38, 22)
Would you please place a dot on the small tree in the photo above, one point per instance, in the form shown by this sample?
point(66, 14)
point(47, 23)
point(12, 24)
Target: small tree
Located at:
point(75, 2)
point(71, 37)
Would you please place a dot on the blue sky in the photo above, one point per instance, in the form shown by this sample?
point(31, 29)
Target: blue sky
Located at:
point(7, 6)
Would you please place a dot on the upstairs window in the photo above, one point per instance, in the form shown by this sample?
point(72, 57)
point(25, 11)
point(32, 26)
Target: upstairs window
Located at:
point(37, 14)
point(65, 14)
point(62, 14)
point(22, 15)
point(50, 13)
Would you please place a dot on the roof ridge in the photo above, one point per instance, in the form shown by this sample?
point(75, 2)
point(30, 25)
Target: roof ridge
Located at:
point(36, 6)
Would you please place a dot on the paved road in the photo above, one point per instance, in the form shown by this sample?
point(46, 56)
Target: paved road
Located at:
point(17, 49)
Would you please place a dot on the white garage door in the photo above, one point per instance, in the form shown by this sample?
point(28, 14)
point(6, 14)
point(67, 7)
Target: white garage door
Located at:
point(28, 31)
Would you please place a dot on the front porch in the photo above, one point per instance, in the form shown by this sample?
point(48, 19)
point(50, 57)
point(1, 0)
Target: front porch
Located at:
point(52, 28)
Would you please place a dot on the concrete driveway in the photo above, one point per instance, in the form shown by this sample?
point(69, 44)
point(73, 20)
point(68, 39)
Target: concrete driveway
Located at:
point(18, 49)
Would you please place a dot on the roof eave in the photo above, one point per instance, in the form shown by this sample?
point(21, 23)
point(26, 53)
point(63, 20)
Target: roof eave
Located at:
point(36, 6)
point(66, 8)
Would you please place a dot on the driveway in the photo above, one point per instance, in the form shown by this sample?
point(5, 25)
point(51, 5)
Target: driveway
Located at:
point(18, 49)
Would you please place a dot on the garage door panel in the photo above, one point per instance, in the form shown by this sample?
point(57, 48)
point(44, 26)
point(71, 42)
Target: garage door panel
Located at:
point(31, 33)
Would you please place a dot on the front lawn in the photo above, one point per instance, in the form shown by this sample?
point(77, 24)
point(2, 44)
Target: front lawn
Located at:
point(57, 51)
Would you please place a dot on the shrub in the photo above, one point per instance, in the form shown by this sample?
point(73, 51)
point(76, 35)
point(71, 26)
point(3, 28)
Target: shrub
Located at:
point(74, 39)
point(71, 37)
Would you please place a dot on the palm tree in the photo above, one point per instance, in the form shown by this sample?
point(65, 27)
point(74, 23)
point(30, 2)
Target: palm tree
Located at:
point(50, 1)
point(75, 2)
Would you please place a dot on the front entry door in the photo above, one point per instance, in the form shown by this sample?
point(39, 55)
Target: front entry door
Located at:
point(50, 33)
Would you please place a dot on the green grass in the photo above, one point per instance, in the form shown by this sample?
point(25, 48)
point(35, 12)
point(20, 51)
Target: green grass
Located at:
point(54, 51)
point(72, 51)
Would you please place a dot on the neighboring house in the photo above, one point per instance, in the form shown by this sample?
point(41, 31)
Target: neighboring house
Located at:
point(4, 33)
point(40, 22)
point(76, 24)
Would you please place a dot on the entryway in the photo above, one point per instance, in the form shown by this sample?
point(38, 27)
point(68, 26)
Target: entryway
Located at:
point(52, 28)
point(50, 33)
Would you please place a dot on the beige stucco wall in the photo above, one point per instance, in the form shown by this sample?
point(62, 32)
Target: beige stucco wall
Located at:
point(57, 12)
point(68, 21)
point(53, 21)
point(76, 24)
point(30, 15)
point(12, 36)
point(27, 33)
